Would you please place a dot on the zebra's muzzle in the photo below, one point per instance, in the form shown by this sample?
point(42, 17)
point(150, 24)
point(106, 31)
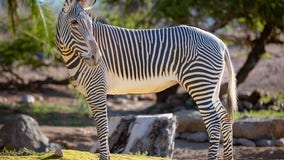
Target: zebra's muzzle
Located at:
point(92, 59)
point(93, 56)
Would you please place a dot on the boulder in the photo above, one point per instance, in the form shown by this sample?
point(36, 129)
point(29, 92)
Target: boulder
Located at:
point(22, 131)
point(151, 134)
point(190, 121)
point(257, 128)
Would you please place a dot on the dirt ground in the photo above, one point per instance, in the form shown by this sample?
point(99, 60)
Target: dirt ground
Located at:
point(268, 74)
point(83, 138)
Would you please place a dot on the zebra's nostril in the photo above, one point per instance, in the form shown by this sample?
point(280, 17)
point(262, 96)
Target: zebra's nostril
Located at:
point(93, 57)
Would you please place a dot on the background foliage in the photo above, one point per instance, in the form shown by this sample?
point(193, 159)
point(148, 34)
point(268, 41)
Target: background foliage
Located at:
point(30, 34)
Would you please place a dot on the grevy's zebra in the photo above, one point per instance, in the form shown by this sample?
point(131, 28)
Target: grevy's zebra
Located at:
point(119, 61)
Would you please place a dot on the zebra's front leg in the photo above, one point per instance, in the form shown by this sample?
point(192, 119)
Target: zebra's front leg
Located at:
point(97, 102)
point(100, 116)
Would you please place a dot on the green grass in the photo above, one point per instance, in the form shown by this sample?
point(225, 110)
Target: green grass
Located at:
point(79, 155)
point(38, 108)
point(261, 113)
point(277, 99)
point(48, 114)
point(140, 153)
point(25, 152)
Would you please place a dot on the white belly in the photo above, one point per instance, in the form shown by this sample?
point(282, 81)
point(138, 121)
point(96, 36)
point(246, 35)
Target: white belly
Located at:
point(116, 85)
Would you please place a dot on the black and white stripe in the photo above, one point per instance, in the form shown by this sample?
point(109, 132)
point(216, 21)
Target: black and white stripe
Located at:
point(132, 59)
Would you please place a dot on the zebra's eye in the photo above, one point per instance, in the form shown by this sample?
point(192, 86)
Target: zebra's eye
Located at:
point(74, 22)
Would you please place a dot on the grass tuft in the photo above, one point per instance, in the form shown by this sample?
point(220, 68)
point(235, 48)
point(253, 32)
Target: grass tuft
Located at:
point(48, 114)
point(260, 113)
point(23, 152)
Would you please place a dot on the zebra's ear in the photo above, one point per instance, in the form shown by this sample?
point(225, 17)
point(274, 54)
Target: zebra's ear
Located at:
point(68, 4)
point(88, 6)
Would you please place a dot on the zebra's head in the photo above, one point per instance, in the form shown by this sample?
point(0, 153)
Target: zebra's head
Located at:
point(74, 33)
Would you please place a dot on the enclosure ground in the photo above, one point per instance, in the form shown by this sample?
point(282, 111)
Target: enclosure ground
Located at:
point(83, 138)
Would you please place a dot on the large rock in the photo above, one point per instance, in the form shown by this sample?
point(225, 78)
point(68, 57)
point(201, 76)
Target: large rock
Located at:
point(190, 121)
point(257, 128)
point(22, 131)
point(151, 134)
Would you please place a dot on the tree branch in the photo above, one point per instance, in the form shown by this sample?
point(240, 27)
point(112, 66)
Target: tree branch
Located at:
point(8, 70)
point(255, 54)
point(220, 24)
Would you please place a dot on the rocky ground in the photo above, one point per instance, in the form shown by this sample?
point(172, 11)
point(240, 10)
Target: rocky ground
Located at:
point(82, 138)
point(268, 74)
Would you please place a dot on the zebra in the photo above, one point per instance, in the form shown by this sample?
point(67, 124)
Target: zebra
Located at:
point(103, 59)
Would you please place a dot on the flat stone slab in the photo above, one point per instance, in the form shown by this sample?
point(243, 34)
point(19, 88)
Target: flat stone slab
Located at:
point(249, 128)
point(257, 128)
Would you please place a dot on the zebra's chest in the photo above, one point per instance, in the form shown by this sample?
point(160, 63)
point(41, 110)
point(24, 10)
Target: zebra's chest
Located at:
point(117, 85)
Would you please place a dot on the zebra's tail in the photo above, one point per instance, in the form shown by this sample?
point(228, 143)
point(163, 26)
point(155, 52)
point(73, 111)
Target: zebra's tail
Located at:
point(231, 106)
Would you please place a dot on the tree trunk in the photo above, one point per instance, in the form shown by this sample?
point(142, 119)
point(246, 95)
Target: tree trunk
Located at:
point(254, 56)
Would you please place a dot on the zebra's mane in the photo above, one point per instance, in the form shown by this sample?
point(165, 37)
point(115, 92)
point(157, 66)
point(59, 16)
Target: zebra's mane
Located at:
point(99, 19)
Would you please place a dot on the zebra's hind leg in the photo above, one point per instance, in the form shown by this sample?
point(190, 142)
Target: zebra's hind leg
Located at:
point(213, 126)
point(227, 130)
point(202, 94)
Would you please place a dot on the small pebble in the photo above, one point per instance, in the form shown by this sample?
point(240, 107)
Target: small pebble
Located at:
point(58, 153)
point(28, 98)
